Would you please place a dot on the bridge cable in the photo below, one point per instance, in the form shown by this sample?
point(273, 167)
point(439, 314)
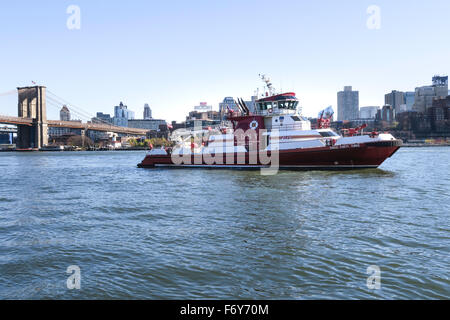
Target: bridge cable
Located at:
point(57, 105)
point(7, 93)
point(84, 114)
point(78, 109)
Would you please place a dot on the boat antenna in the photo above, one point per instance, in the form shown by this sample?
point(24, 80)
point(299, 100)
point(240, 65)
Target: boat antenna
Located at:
point(268, 83)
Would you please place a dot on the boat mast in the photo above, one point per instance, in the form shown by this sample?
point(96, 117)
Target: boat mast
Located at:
point(269, 85)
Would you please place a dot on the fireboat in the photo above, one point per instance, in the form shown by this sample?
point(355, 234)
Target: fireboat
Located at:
point(248, 138)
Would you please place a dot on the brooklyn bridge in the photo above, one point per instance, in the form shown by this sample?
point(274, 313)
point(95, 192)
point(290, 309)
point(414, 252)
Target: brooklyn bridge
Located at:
point(32, 123)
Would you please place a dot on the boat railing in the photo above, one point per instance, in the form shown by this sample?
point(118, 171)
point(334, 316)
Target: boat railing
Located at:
point(285, 112)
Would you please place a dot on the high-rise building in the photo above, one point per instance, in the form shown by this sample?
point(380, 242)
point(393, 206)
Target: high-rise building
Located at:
point(227, 104)
point(409, 100)
point(64, 114)
point(348, 104)
point(121, 115)
point(368, 112)
point(395, 99)
point(103, 118)
point(147, 112)
point(424, 96)
point(386, 114)
point(149, 124)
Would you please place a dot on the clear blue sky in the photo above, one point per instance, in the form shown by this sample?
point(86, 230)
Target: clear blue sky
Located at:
point(174, 54)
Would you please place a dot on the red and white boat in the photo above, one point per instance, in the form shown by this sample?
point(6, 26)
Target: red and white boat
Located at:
point(274, 129)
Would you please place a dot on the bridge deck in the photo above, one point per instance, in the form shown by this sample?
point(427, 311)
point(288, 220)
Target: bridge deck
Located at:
point(74, 125)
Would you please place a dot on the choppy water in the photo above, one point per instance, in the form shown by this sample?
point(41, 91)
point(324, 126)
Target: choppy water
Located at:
point(148, 234)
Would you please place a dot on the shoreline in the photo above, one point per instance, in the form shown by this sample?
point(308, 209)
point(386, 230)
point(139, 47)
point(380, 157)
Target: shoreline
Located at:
point(424, 145)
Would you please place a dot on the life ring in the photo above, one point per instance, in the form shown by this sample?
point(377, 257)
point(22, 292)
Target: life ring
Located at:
point(271, 111)
point(254, 125)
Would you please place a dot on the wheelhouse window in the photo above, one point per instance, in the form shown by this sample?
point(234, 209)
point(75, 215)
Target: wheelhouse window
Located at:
point(290, 105)
point(262, 106)
point(293, 105)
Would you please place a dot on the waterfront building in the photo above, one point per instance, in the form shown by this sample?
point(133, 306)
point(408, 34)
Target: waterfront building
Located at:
point(175, 125)
point(147, 112)
point(386, 114)
point(54, 132)
point(439, 115)
point(149, 124)
point(368, 112)
point(64, 114)
point(209, 115)
point(403, 108)
point(395, 99)
point(98, 136)
point(203, 107)
point(227, 104)
point(348, 104)
point(409, 100)
point(425, 95)
point(103, 118)
point(6, 138)
point(203, 116)
point(201, 123)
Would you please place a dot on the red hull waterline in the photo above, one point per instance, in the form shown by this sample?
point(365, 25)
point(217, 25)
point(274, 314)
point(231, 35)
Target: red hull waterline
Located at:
point(348, 157)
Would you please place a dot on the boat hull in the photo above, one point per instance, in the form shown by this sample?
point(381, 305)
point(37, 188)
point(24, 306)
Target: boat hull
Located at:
point(344, 157)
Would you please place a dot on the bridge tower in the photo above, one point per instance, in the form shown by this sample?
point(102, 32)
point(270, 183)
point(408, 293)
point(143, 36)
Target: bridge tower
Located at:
point(32, 105)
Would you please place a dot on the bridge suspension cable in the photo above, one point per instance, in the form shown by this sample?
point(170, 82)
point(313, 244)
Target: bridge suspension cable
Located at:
point(8, 93)
point(65, 102)
point(57, 106)
point(75, 109)
point(55, 101)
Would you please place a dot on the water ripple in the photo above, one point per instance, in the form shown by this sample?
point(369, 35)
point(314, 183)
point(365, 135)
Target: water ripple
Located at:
point(157, 234)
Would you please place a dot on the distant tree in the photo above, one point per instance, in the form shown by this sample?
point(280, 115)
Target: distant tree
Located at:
point(77, 141)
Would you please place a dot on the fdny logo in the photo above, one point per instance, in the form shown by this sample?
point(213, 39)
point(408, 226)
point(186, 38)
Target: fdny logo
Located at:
point(254, 125)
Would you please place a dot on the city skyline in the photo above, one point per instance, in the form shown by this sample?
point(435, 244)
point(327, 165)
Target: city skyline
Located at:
point(162, 53)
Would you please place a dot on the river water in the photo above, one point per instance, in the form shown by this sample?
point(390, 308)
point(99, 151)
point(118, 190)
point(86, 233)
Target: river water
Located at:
point(205, 234)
